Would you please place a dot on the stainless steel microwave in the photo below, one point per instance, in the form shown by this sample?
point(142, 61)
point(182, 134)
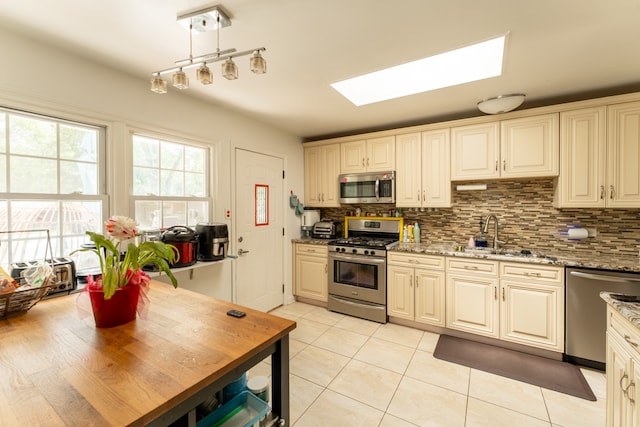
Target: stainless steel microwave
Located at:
point(373, 187)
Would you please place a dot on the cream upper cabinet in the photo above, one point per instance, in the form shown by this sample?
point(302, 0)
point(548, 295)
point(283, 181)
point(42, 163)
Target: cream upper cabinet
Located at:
point(371, 155)
point(475, 151)
point(582, 159)
point(623, 156)
point(321, 171)
point(416, 287)
point(310, 271)
point(423, 169)
point(515, 148)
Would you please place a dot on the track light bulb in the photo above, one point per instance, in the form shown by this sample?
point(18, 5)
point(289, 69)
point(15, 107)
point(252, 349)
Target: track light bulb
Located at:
point(204, 74)
point(229, 70)
point(180, 80)
point(257, 63)
point(158, 85)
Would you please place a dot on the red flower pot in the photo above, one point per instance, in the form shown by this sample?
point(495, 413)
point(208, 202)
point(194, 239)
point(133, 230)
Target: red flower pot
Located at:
point(117, 310)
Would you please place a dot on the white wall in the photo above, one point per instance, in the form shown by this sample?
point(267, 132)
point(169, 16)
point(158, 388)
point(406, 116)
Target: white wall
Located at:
point(40, 78)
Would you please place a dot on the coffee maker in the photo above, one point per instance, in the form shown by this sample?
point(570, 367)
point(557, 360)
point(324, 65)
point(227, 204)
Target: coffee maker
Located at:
point(309, 218)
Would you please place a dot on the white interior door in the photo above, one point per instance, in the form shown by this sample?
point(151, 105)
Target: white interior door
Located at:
point(259, 238)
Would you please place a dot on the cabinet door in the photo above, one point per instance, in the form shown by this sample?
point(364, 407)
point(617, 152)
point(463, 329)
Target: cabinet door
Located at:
point(381, 154)
point(400, 292)
point(530, 147)
point(353, 156)
point(311, 277)
point(330, 194)
point(472, 304)
point(474, 152)
point(617, 380)
point(532, 314)
point(430, 297)
point(408, 171)
point(312, 175)
point(436, 169)
point(581, 182)
point(623, 158)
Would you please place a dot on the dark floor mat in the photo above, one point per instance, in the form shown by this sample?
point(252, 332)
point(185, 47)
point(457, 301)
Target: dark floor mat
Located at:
point(551, 374)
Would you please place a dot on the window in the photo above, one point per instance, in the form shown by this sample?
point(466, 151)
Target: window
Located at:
point(51, 178)
point(169, 183)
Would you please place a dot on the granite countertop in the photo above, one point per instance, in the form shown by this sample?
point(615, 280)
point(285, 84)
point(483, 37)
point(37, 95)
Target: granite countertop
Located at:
point(629, 309)
point(614, 261)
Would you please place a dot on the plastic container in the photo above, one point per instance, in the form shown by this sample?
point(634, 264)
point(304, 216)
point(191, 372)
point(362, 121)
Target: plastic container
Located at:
point(234, 388)
point(260, 387)
point(244, 410)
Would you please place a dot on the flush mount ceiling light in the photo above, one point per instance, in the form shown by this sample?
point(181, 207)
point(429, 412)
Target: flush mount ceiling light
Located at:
point(209, 19)
point(475, 62)
point(501, 104)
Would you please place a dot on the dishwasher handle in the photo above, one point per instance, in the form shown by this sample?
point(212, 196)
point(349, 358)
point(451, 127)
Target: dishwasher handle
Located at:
point(604, 277)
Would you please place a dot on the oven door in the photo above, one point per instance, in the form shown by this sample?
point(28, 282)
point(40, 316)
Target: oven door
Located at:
point(358, 277)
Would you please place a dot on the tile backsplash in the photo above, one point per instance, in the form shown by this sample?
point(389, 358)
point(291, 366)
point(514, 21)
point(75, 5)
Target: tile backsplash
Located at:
point(527, 219)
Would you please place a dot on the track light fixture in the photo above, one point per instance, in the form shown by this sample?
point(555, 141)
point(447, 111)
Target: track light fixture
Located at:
point(212, 18)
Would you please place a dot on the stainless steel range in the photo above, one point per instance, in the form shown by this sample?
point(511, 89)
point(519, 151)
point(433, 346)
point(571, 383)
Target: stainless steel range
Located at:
point(358, 268)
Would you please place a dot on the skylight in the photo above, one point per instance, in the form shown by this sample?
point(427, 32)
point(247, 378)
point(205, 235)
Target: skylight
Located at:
point(475, 62)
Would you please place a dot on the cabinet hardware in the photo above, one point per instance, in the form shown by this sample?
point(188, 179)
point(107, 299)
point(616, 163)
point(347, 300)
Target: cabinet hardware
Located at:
point(504, 165)
point(496, 166)
point(363, 162)
point(503, 297)
point(623, 388)
point(410, 281)
point(627, 338)
point(326, 268)
point(424, 197)
point(318, 196)
point(611, 192)
point(629, 394)
point(495, 292)
point(527, 273)
point(601, 192)
point(418, 195)
point(323, 197)
point(367, 161)
point(470, 267)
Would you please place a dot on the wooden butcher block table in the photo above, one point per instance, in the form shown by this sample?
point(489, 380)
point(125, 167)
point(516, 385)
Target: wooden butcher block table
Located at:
point(57, 369)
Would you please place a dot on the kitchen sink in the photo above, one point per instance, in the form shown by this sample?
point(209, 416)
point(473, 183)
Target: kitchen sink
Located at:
point(519, 253)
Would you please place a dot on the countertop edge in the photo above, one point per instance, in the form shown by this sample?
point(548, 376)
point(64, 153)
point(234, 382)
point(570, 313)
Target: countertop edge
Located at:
point(629, 310)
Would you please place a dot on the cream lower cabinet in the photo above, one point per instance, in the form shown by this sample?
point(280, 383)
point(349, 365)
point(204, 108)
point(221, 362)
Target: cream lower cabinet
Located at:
point(416, 287)
point(623, 371)
point(311, 266)
point(516, 302)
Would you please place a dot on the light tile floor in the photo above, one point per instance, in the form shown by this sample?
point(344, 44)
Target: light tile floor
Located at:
point(351, 372)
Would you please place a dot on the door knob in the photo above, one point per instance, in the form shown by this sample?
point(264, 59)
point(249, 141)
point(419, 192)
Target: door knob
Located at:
point(241, 252)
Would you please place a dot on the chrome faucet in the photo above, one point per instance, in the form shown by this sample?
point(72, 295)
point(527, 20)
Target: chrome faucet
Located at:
point(495, 230)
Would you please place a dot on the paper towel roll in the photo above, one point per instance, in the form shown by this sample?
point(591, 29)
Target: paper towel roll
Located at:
point(578, 233)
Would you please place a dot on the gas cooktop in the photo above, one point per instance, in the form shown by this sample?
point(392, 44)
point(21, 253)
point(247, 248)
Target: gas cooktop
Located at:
point(364, 242)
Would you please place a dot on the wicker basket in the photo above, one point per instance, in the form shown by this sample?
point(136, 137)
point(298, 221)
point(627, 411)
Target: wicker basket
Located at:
point(18, 302)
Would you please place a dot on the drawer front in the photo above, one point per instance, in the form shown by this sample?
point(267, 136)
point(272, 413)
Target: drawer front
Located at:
point(626, 332)
point(311, 249)
point(538, 272)
point(433, 262)
point(472, 266)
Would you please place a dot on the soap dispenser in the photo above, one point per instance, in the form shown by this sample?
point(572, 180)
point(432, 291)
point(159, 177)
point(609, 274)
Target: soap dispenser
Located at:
point(416, 232)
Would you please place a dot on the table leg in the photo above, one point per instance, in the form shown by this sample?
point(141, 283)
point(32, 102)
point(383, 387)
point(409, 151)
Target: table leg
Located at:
point(280, 380)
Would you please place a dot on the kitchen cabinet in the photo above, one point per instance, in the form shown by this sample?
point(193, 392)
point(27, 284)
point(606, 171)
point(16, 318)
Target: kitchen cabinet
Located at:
point(371, 155)
point(623, 371)
point(600, 169)
point(310, 275)
point(516, 302)
point(423, 176)
point(416, 287)
point(525, 147)
point(321, 171)
point(581, 182)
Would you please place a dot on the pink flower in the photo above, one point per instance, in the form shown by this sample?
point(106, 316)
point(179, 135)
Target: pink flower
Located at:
point(138, 277)
point(121, 227)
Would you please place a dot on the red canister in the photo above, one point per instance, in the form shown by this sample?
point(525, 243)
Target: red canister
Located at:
point(185, 240)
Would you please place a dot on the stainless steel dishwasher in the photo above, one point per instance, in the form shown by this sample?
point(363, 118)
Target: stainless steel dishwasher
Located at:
point(586, 312)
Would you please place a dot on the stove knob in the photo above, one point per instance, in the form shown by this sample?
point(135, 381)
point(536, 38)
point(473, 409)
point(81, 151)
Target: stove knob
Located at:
point(342, 250)
point(355, 251)
point(366, 252)
point(337, 249)
point(372, 253)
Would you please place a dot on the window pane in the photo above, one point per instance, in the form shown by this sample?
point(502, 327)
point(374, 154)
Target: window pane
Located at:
point(198, 212)
point(33, 175)
point(145, 152)
point(78, 177)
point(174, 213)
point(194, 184)
point(194, 160)
point(78, 218)
point(4, 225)
point(3, 133)
point(171, 183)
point(32, 136)
point(35, 214)
point(148, 213)
point(3, 173)
point(172, 156)
point(145, 181)
point(78, 144)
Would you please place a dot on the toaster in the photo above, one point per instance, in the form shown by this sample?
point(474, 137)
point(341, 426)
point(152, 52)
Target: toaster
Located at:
point(327, 229)
point(63, 268)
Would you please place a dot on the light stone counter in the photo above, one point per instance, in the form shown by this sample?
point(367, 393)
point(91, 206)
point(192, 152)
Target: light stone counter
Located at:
point(629, 310)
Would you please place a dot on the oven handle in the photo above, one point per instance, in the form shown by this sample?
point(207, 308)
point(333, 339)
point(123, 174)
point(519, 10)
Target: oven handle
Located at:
point(377, 188)
point(361, 260)
point(604, 278)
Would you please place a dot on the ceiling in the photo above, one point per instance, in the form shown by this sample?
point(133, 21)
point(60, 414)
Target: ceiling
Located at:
point(556, 50)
